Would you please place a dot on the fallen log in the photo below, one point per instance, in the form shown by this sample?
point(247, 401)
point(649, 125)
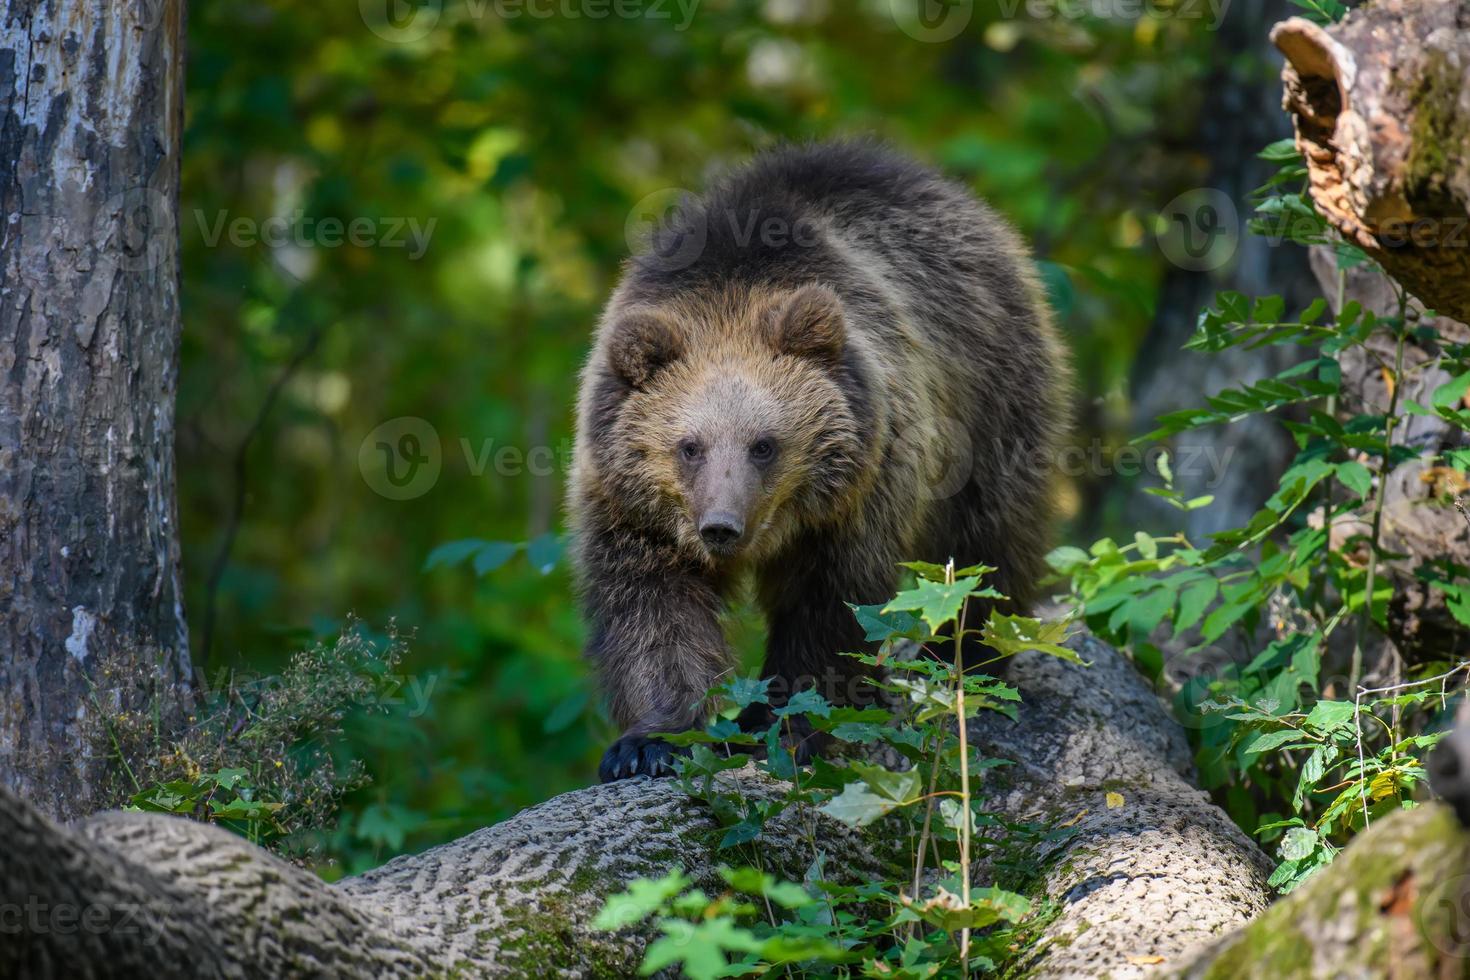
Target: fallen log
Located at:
point(1395, 904)
point(1151, 879)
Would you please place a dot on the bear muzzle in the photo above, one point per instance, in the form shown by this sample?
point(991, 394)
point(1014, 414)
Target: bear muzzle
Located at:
point(721, 532)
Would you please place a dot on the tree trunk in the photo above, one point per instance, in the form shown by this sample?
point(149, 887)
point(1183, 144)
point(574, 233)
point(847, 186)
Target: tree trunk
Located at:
point(1381, 106)
point(90, 603)
point(1158, 876)
point(1420, 518)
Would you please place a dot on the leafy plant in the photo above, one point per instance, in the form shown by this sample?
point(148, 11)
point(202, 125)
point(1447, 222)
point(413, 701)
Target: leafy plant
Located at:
point(1285, 584)
point(926, 916)
point(259, 755)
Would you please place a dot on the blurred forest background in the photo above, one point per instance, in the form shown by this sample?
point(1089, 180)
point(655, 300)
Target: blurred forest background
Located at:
point(504, 163)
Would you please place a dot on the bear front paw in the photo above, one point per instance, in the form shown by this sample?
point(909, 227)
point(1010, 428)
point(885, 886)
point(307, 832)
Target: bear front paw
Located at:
point(637, 755)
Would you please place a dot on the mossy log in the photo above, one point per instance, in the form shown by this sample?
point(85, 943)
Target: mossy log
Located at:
point(1395, 904)
point(132, 894)
point(1381, 106)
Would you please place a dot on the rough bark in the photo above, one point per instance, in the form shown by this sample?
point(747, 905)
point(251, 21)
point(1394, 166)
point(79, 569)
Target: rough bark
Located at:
point(1156, 877)
point(1395, 904)
point(1420, 518)
point(1381, 106)
point(90, 600)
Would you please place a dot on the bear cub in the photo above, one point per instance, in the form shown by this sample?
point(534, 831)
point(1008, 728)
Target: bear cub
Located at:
point(833, 361)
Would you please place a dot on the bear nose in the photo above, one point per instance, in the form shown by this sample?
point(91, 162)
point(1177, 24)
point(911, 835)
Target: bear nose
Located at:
point(721, 529)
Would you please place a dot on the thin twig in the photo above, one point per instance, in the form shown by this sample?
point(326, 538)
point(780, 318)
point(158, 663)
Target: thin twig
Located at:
point(1384, 467)
point(237, 508)
point(1460, 506)
point(959, 701)
point(1441, 679)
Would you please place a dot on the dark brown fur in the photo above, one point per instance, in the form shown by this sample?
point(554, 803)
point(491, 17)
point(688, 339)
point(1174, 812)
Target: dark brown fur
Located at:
point(888, 341)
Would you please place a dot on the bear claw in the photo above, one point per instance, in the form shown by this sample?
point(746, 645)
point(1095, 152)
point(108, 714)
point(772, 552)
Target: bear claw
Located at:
point(637, 755)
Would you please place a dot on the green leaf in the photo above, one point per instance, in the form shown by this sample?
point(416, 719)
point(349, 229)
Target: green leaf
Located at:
point(1303, 382)
point(880, 625)
point(493, 555)
point(940, 573)
point(566, 711)
point(1298, 843)
point(544, 552)
point(1281, 151)
point(1312, 771)
point(227, 778)
point(1356, 477)
point(1166, 469)
point(857, 805)
point(386, 824)
point(746, 691)
point(786, 894)
point(743, 832)
point(1067, 557)
point(1328, 716)
point(1194, 599)
point(857, 731)
point(1010, 635)
point(1148, 610)
point(1146, 545)
point(806, 701)
point(701, 949)
point(1451, 393)
point(639, 900)
point(453, 552)
point(900, 787)
point(1266, 741)
point(937, 602)
point(988, 906)
point(244, 809)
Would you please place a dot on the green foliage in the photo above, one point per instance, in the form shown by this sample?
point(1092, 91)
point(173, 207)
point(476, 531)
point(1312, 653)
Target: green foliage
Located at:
point(1323, 11)
point(922, 919)
point(264, 756)
point(529, 143)
point(1272, 732)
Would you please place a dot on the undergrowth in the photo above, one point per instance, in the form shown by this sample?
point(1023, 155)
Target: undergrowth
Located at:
point(260, 755)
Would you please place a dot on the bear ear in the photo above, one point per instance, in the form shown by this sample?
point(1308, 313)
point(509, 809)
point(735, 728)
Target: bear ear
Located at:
point(643, 343)
point(810, 324)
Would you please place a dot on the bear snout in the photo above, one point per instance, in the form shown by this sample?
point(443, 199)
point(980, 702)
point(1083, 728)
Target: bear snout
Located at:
point(721, 531)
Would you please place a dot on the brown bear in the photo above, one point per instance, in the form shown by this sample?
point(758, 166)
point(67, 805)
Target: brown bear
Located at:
point(834, 361)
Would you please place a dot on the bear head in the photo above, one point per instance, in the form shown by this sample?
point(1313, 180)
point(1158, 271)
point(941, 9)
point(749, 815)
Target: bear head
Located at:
point(743, 416)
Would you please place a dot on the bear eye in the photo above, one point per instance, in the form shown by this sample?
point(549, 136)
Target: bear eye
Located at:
point(762, 450)
point(689, 450)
